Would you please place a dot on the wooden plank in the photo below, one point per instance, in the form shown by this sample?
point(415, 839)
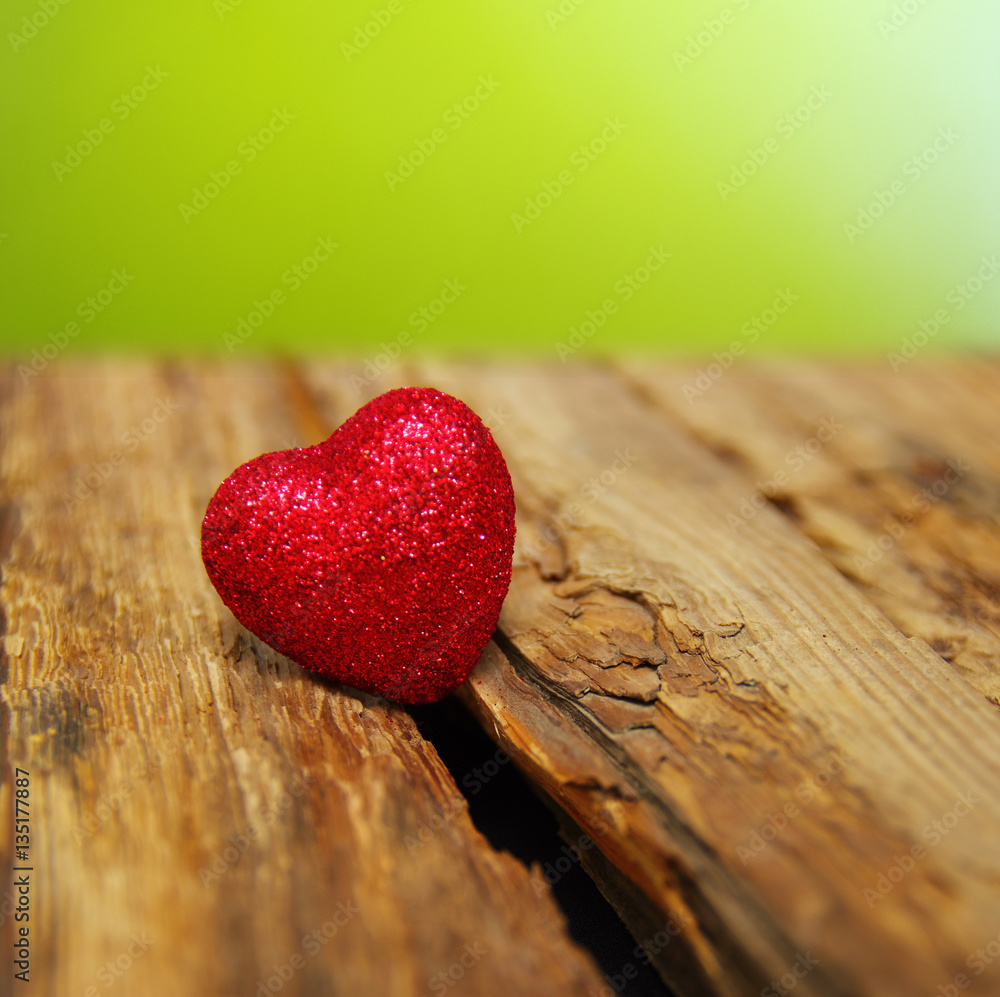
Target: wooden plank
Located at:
point(744, 734)
point(202, 810)
point(896, 477)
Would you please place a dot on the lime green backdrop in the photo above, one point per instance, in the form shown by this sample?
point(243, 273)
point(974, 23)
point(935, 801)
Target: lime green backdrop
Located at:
point(555, 176)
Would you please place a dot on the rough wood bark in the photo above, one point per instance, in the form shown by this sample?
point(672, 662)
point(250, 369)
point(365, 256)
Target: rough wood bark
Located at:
point(748, 737)
point(202, 811)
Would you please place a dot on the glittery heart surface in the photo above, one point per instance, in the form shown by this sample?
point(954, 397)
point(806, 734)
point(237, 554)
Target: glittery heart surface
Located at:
point(378, 558)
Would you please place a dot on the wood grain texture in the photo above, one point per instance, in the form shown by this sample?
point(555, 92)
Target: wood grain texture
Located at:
point(893, 476)
point(206, 816)
point(779, 762)
point(746, 734)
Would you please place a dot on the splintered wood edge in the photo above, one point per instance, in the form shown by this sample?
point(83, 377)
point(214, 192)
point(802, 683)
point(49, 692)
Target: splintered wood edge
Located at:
point(648, 863)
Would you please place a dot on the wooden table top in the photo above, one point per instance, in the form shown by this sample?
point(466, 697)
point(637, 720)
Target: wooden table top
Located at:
point(750, 655)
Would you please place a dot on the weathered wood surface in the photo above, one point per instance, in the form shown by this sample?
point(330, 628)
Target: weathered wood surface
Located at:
point(750, 737)
point(746, 729)
point(894, 477)
point(202, 811)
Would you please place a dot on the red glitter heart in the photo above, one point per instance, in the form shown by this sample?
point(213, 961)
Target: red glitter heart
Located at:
point(379, 558)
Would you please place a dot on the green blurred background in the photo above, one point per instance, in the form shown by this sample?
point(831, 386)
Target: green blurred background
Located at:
point(544, 176)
